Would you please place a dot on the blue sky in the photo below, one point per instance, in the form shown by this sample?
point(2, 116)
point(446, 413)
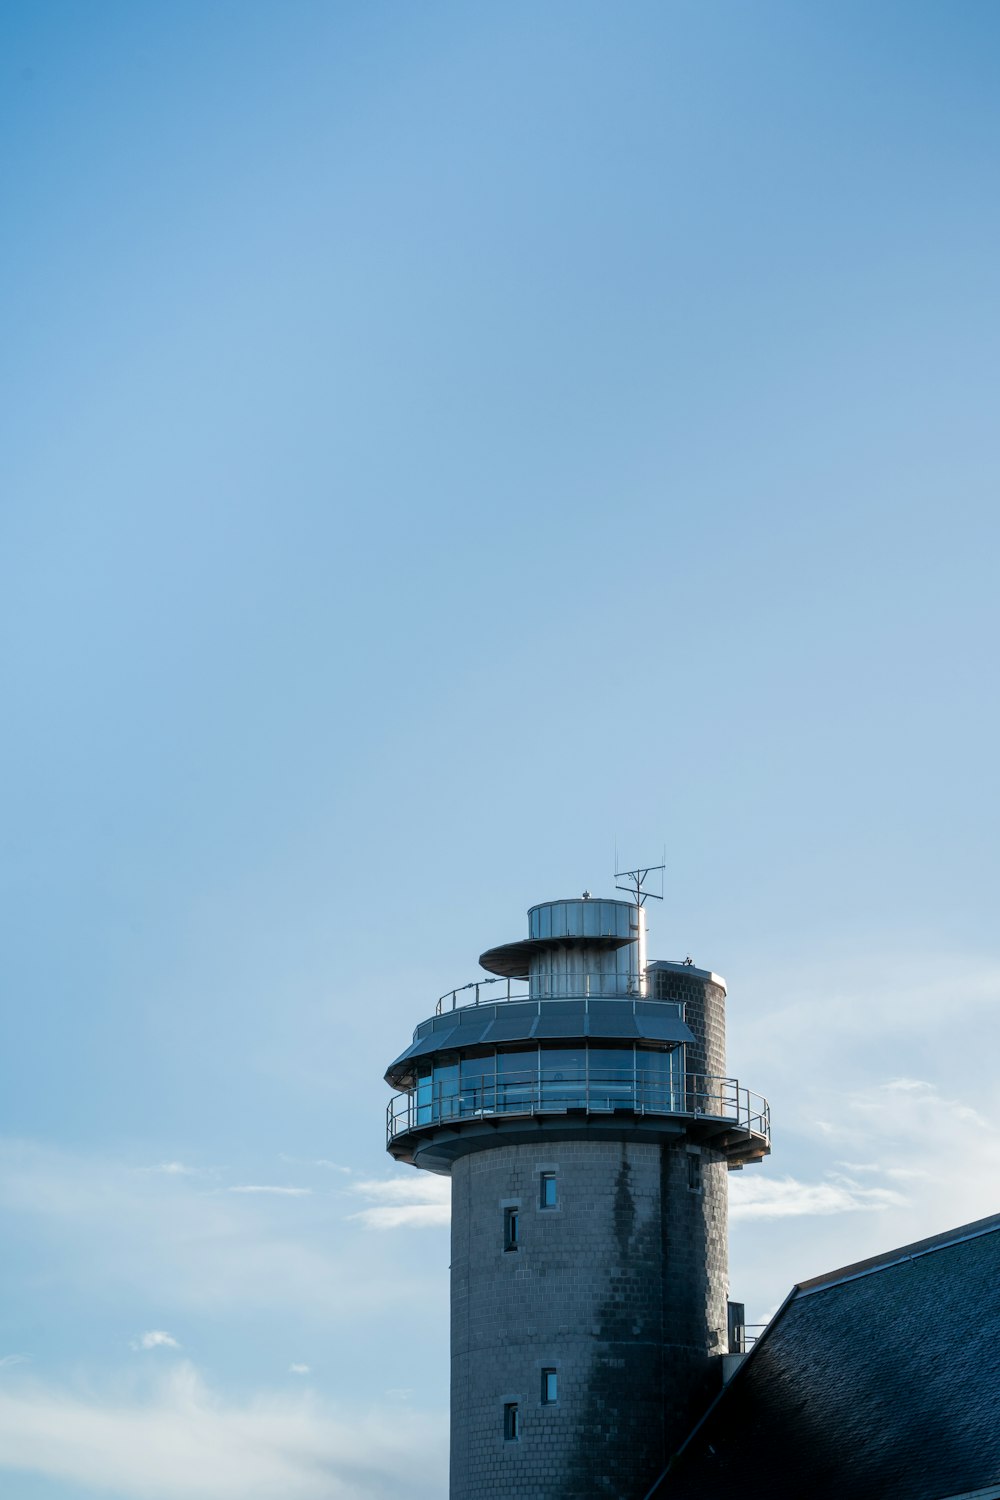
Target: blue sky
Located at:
point(441, 444)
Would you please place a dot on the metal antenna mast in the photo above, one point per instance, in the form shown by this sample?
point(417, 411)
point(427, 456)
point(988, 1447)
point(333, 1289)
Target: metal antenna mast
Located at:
point(636, 888)
point(637, 880)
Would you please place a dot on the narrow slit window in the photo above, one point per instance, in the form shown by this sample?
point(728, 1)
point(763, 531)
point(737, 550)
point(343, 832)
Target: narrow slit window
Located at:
point(511, 1229)
point(550, 1387)
point(511, 1422)
point(694, 1172)
point(549, 1196)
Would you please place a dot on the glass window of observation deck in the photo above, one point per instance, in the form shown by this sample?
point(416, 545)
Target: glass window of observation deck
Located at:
point(446, 1085)
point(612, 1076)
point(563, 1076)
point(424, 1093)
point(517, 1077)
point(477, 1086)
point(660, 1077)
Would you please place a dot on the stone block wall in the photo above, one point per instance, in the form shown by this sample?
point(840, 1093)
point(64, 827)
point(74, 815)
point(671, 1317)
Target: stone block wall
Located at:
point(705, 1013)
point(620, 1288)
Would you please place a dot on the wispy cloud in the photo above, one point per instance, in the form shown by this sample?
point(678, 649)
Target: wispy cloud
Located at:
point(911, 1118)
point(182, 1441)
point(178, 1245)
point(842, 1021)
point(8, 1360)
point(156, 1338)
point(280, 1192)
point(298, 1370)
point(884, 1165)
point(314, 1161)
point(786, 1197)
point(418, 1201)
point(897, 1174)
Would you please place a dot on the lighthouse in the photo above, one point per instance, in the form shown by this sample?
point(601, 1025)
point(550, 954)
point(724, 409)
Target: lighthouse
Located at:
point(577, 1095)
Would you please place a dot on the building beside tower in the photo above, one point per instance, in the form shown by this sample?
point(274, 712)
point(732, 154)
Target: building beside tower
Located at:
point(580, 1102)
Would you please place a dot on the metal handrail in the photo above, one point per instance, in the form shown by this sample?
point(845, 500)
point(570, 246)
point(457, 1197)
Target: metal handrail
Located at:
point(536, 1091)
point(547, 986)
point(477, 985)
point(744, 1339)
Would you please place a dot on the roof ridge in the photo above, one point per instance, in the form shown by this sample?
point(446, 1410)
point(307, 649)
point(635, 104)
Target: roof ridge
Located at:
point(889, 1258)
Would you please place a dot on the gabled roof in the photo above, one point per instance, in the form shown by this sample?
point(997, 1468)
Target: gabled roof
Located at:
point(881, 1379)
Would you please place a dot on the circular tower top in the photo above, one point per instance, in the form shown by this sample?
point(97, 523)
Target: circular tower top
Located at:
point(578, 935)
point(594, 1041)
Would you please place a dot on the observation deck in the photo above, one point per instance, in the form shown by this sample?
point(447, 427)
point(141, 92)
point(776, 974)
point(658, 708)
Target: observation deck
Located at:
point(588, 1063)
point(713, 1111)
point(575, 1036)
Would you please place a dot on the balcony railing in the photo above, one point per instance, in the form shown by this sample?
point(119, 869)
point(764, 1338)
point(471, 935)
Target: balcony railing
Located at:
point(744, 1336)
point(554, 986)
point(594, 1090)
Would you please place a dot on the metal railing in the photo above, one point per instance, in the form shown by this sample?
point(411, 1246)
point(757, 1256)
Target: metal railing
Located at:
point(552, 986)
point(745, 1335)
point(595, 1090)
point(477, 985)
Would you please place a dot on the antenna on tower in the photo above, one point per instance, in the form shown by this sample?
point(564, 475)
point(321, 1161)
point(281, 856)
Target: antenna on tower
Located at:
point(636, 886)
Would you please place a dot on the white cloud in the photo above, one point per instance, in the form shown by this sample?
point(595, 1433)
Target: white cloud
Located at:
point(179, 1439)
point(897, 1174)
point(785, 1197)
point(316, 1161)
point(298, 1370)
point(175, 1243)
point(9, 1360)
point(156, 1338)
point(175, 1169)
point(280, 1192)
point(867, 1006)
point(416, 1187)
point(926, 1160)
point(405, 1216)
point(417, 1201)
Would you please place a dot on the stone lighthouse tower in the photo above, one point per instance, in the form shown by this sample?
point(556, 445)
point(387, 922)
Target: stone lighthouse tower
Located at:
point(579, 1101)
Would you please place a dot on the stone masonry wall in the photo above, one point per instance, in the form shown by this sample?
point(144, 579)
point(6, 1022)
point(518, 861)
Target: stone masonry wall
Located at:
point(705, 1012)
point(621, 1288)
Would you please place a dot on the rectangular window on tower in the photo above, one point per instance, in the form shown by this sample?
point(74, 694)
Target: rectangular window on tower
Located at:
point(511, 1422)
point(694, 1172)
point(511, 1229)
point(550, 1387)
point(549, 1191)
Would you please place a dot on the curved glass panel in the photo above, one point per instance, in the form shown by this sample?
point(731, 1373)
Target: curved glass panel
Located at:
point(660, 1078)
point(612, 1077)
point(477, 1084)
point(446, 1086)
point(517, 1079)
point(551, 1078)
point(424, 1093)
point(562, 1075)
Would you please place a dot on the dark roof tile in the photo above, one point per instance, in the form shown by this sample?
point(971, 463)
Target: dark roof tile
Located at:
point(882, 1379)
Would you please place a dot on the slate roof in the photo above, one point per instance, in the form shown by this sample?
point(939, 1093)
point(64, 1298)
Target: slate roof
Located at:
point(881, 1379)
